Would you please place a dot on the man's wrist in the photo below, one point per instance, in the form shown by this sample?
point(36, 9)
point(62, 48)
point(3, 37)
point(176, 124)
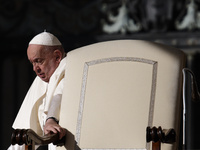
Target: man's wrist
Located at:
point(53, 118)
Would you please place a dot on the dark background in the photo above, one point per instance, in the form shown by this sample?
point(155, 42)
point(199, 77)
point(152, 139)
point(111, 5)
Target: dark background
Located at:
point(81, 22)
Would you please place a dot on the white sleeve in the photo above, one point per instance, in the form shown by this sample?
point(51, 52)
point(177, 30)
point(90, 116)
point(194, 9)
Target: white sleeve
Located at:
point(16, 147)
point(54, 108)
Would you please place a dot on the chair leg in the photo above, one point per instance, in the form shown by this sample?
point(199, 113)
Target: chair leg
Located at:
point(156, 145)
point(27, 147)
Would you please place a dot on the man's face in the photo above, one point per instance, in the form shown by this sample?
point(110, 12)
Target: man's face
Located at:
point(44, 61)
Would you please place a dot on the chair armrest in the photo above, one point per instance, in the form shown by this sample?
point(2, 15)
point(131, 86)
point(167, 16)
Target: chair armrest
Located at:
point(28, 137)
point(157, 134)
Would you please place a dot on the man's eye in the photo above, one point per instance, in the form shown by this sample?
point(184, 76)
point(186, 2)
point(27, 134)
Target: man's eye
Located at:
point(39, 61)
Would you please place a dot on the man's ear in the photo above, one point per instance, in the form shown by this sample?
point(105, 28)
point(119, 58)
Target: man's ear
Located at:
point(58, 55)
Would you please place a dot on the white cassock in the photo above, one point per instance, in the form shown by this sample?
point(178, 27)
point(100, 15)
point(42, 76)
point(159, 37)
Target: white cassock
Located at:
point(35, 107)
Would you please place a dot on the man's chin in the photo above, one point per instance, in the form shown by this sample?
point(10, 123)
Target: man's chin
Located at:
point(44, 79)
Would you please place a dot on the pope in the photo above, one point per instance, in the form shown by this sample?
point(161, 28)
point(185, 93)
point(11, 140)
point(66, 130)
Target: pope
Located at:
point(41, 106)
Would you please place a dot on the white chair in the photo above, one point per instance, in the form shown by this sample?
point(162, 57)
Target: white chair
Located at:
point(114, 90)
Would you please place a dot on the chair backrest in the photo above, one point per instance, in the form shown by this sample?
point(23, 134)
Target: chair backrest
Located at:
point(114, 90)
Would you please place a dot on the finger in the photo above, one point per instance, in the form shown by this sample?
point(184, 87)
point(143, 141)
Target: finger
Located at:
point(58, 128)
point(52, 130)
point(46, 132)
point(62, 133)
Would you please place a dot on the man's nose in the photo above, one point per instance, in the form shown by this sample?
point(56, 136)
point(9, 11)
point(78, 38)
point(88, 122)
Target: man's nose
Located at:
point(36, 68)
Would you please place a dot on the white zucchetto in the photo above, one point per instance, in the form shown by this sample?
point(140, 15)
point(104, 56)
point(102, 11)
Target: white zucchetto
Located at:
point(45, 38)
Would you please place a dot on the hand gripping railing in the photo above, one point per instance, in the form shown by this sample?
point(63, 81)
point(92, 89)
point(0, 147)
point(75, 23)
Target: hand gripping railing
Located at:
point(30, 139)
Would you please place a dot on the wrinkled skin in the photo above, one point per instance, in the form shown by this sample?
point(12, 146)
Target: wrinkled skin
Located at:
point(44, 61)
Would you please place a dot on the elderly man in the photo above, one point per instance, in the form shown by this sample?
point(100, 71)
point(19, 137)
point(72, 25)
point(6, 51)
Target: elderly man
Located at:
point(40, 108)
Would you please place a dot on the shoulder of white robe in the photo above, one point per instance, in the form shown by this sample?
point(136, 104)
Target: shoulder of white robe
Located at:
point(36, 91)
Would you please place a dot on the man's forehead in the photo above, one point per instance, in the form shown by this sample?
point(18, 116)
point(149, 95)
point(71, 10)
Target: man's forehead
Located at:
point(35, 51)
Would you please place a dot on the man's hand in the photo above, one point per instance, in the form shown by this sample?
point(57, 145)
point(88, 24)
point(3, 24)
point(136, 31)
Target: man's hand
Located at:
point(51, 126)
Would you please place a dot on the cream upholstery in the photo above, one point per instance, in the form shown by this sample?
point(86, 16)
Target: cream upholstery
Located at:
point(114, 90)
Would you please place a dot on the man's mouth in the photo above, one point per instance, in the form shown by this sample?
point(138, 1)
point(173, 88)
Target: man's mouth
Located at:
point(41, 75)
